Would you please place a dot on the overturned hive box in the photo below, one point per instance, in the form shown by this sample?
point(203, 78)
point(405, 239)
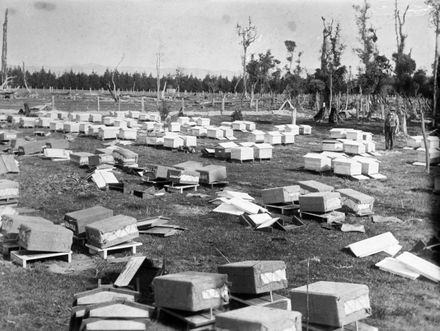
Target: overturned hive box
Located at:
point(212, 173)
point(42, 237)
point(320, 202)
point(77, 220)
point(317, 162)
point(257, 318)
point(356, 202)
point(191, 291)
point(125, 156)
point(332, 303)
point(11, 223)
point(255, 277)
point(111, 231)
point(285, 194)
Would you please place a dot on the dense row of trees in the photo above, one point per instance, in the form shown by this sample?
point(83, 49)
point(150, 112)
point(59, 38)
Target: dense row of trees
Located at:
point(263, 73)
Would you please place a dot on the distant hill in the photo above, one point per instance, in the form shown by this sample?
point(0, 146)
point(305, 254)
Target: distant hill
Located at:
point(100, 69)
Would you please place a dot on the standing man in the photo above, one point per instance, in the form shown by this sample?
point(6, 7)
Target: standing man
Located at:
point(391, 127)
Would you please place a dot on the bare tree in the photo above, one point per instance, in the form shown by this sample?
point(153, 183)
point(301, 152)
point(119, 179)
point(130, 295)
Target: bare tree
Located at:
point(434, 6)
point(399, 22)
point(5, 48)
point(25, 80)
point(113, 88)
point(158, 56)
point(247, 34)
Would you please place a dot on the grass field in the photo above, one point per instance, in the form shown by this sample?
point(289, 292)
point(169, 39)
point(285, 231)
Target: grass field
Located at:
point(39, 299)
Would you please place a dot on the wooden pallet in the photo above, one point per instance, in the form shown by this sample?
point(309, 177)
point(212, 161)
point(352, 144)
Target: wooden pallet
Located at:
point(282, 208)
point(193, 320)
point(355, 326)
point(8, 246)
point(9, 201)
point(181, 188)
point(219, 183)
point(103, 252)
point(22, 257)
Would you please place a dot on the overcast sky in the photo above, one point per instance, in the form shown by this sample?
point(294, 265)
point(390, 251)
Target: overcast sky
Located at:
point(195, 33)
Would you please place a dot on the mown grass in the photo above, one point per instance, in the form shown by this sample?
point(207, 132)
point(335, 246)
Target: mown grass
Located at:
point(37, 299)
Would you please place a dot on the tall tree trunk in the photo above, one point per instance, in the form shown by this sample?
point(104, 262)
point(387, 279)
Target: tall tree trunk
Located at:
point(244, 72)
point(434, 94)
point(5, 47)
point(425, 141)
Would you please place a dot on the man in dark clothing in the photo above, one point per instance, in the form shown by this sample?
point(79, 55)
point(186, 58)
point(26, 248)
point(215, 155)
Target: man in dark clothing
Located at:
point(391, 127)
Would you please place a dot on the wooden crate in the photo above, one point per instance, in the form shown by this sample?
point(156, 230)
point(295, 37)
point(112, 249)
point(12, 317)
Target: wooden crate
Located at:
point(320, 202)
point(44, 237)
point(332, 303)
point(346, 166)
point(255, 277)
point(317, 162)
point(77, 220)
point(357, 202)
point(191, 291)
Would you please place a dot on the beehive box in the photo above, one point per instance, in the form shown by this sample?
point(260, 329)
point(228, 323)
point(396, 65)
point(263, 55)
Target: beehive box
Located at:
point(415, 141)
point(346, 166)
point(332, 303)
point(367, 136)
point(84, 127)
point(255, 277)
point(212, 173)
point(433, 142)
point(44, 122)
point(242, 153)
point(108, 132)
point(15, 120)
point(82, 117)
point(338, 133)
point(148, 126)
point(354, 147)
point(250, 126)
point(369, 165)
point(203, 121)
point(10, 224)
point(77, 220)
point(63, 115)
point(71, 127)
point(317, 162)
point(198, 131)
point(229, 124)
point(223, 150)
point(111, 231)
point(356, 202)
point(133, 114)
point(354, 135)
point(8, 135)
point(293, 128)
point(332, 146)
point(191, 291)
point(80, 158)
point(182, 120)
point(72, 116)
point(434, 155)
point(120, 123)
point(188, 165)
point(238, 126)
point(257, 318)
point(56, 126)
point(215, 133)
point(227, 131)
point(305, 129)
point(320, 202)
point(131, 123)
point(94, 130)
point(98, 159)
point(273, 138)
point(155, 171)
point(108, 120)
point(42, 237)
point(263, 151)
point(257, 136)
point(9, 189)
point(285, 194)
point(123, 155)
point(174, 127)
point(280, 128)
point(181, 176)
point(95, 118)
point(370, 146)
point(155, 140)
point(127, 134)
point(287, 138)
point(189, 141)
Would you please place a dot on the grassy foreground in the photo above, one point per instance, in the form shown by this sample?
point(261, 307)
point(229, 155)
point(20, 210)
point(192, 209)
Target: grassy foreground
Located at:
point(40, 299)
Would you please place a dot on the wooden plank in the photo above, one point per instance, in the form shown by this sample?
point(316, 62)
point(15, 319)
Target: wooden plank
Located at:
point(193, 319)
point(129, 271)
point(396, 267)
point(103, 252)
point(373, 245)
point(422, 266)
